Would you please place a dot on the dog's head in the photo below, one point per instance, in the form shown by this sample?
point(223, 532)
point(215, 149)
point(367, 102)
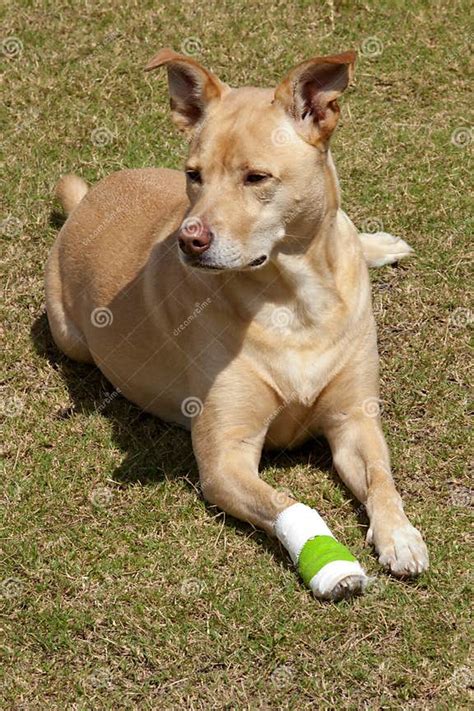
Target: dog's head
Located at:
point(257, 168)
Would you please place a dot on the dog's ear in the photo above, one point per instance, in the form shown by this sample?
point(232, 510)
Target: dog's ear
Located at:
point(309, 94)
point(191, 87)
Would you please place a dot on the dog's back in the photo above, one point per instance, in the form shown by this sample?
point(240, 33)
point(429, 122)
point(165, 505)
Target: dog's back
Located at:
point(104, 243)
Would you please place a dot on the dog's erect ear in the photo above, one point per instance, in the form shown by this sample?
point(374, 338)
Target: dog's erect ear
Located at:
point(309, 94)
point(191, 87)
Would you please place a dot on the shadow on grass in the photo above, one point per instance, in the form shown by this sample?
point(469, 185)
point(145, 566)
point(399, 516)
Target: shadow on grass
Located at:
point(57, 219)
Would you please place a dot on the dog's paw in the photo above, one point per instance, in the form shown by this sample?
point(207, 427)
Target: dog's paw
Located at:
point(348, 587)
point(339, 580)
point(401, 550)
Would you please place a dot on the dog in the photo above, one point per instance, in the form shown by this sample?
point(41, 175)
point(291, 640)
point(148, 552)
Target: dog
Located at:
point(234, 299)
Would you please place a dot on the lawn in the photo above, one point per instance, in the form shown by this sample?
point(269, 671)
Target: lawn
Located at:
point(119, 587)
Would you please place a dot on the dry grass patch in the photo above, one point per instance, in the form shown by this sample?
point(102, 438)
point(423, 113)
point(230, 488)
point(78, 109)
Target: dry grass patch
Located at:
point(118, 587)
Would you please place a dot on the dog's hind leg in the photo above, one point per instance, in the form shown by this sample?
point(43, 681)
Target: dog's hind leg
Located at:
point(70, 190)
point(66, 334)
point(380, 248)
point(228, 437)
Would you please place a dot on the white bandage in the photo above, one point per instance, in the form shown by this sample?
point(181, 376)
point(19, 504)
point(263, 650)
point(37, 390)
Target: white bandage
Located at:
point(296, 525)
point(324, 582)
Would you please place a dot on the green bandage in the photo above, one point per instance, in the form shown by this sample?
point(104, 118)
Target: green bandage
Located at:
point(318, 552)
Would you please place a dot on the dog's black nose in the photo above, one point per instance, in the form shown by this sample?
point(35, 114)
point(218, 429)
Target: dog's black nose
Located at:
point(194, 236)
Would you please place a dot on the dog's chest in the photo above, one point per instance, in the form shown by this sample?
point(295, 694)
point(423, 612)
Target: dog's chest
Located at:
point(300, 373)
point(301, 344)
point(299, 362)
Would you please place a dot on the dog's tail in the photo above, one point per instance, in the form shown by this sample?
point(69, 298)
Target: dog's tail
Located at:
point(70, 190)
point(380, 248)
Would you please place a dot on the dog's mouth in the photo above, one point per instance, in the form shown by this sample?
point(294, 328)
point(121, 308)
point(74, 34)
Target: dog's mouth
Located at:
point(203, 265)
point(260, 261)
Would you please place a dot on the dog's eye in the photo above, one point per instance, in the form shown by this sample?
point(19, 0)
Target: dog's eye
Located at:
point(194, 176)
point(251, 178)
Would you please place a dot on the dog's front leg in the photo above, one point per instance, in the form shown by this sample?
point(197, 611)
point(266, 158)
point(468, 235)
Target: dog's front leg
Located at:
point(361, 458)
point(227, 441)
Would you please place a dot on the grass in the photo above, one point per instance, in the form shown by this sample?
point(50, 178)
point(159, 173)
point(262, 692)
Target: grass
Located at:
point(119, 588)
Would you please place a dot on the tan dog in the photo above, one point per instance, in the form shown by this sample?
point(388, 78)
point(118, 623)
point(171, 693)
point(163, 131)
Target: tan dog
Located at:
point(250, 321)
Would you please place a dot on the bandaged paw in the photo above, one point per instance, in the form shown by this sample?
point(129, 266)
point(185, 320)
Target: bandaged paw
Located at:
point(327, 567)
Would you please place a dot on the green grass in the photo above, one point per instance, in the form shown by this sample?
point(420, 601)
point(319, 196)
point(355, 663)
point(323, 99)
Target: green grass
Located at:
point(119, 588)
